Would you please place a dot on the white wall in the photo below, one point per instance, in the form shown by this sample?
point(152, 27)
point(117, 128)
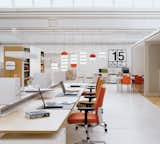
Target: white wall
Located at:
point(92, 66)
point(138, 59)
point(153, 69)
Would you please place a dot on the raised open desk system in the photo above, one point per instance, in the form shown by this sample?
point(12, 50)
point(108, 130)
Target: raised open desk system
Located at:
point(16, 129)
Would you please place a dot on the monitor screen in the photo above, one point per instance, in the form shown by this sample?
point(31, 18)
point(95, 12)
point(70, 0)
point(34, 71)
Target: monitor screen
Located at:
point(125, 70)
point(42, 80)
point(62, 86)
point(103, 70)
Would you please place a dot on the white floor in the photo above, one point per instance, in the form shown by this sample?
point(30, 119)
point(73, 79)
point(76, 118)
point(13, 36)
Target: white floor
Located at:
point(130, 117)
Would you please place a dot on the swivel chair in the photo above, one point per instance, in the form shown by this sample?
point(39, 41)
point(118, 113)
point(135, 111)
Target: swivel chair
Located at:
point(90, 115)
point(91, 96)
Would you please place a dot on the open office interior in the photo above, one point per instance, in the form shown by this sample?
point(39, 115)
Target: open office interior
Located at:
point(80, 71)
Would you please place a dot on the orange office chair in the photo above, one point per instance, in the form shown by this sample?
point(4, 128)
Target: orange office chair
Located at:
point(138, 80)
point(92, 96)
point(126, 80)
point(91, 88)
point(90, 115)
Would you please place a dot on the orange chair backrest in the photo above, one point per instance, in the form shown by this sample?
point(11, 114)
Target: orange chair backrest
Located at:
point(138, 80)
point(100, 83)
point(126, 79)
point(97, 82)
point(100, 98)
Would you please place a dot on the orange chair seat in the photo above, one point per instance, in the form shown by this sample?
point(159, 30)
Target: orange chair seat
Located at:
point(87, 93)
point(78, 118)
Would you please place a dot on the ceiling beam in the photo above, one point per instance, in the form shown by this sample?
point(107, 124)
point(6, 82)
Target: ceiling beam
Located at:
point(69, 43)
point(77, 13)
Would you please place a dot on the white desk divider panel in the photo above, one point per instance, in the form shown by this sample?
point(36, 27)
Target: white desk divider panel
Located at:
point(58, 76)
point(9, 90)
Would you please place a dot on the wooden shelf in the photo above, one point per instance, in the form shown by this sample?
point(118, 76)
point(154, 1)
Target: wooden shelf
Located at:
point(27, 78)
point(27, 67)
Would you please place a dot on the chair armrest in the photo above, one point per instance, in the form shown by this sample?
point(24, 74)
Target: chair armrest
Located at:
point(90, 86)
point(90, 97)
point(86, 109)
point(88, 104)
point(90, 89)
point(90, 94)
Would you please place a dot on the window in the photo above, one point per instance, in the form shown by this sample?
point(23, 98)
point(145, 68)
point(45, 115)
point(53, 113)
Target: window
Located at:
point(63, 3)
point(123, 3)
point(156, 3)
point(102, 55)
point(23, 3)
point(73, 59)
point(5, 3)
point(54, 66)
point(42, 3)
point(83, 3)
point(103, 3)
point(83, 58)
point(142, 3)
point(64, 62)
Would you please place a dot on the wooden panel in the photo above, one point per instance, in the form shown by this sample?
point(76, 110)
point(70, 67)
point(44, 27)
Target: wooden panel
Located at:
point(13, 48)
point(19, 63)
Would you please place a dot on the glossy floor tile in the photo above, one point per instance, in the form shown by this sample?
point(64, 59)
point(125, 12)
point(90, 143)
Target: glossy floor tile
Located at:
point(131, 119)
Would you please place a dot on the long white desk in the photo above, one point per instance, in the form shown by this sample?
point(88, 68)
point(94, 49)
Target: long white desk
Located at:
point(19, 129)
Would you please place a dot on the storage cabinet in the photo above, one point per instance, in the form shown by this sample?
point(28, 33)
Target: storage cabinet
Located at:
point(21, 56)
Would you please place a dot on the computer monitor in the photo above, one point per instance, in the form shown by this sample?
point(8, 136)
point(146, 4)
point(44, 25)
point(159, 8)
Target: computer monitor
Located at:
point(58, 76)
point(42, 80)
point(125, 70)
point(103, 70)
point(63, 87)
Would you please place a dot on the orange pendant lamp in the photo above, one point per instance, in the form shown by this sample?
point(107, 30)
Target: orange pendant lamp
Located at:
point(64, 53)
point(73, 65)
point(92, 56)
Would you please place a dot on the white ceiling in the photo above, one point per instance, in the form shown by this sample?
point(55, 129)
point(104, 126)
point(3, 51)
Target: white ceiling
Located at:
point(50, 28)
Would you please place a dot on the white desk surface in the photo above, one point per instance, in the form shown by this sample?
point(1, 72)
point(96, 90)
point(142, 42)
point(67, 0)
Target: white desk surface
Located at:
point(15, 122)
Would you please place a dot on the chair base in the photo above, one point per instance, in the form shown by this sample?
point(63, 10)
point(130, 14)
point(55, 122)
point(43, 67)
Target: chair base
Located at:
point(102, 124)
point(91, 142)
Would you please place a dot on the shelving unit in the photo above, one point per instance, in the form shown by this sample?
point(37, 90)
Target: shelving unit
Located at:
point(26, 67)
point(42, 62)
point(20, 55)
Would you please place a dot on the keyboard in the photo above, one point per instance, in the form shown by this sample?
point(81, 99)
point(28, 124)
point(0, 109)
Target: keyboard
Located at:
point(49, 105)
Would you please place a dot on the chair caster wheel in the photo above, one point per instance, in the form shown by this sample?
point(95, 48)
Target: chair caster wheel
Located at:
point(105, 130)
point(88, 138)
point(105, 125)
point(76, 128)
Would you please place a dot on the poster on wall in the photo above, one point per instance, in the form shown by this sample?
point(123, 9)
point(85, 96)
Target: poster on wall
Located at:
point(117, 58)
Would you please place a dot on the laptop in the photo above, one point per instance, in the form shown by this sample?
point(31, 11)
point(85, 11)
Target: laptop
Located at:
point(68, 92)
point(49, 105)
